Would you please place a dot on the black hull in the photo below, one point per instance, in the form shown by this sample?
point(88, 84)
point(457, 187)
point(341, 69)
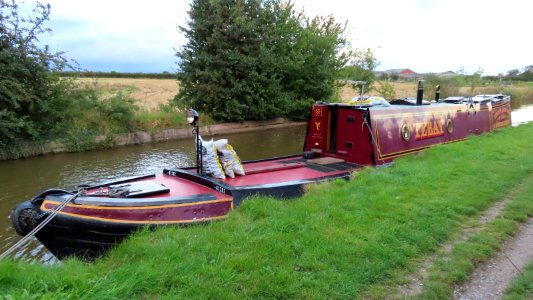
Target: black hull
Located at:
point(68, 236)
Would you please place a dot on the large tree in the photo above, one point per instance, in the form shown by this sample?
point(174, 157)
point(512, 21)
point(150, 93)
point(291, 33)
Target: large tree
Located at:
point(255, 59)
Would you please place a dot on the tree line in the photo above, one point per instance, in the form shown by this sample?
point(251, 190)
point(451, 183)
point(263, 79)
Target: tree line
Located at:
point(525, 75)
point(115, 74)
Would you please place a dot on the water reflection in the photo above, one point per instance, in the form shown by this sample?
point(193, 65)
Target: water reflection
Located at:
point(522, 115)
point(522, 107)
point(522, 99)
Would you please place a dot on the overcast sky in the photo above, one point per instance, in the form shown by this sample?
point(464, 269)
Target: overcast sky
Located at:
point(423, 35)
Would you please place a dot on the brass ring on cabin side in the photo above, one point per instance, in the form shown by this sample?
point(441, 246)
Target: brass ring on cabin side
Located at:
point(405, 132)
point(449, 125)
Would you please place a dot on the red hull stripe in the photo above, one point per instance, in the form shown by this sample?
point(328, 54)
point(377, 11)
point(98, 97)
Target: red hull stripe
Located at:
point(419, 138)
point(167, 214)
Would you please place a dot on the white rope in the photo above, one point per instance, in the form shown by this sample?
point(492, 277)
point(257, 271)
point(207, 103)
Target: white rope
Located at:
point(365, 122)
point(32, 233)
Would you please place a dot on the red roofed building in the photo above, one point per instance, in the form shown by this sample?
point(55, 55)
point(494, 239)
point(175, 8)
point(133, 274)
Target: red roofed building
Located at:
point(403, 73)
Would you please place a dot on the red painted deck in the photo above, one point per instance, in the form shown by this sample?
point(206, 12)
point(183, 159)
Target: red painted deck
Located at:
point(271, 174)
point(178, 187)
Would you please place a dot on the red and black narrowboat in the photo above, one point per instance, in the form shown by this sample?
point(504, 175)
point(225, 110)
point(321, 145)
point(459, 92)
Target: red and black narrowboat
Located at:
point(340, 139)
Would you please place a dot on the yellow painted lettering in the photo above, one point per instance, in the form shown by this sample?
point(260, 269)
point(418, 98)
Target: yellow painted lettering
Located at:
point(430, 128)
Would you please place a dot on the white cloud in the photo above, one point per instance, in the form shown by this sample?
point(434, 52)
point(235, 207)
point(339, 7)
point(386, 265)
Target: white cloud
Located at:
point(438, 35)
point(118, 32)
point(425, 35)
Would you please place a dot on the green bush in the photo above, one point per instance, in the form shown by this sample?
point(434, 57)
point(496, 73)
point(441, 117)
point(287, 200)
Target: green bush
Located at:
point(30, 94)
point(257, 59)
point(89, 112)
point(386, 90)
point(35, 103)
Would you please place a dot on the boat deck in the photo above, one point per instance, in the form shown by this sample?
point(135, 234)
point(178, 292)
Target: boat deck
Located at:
point(173, 188)
point(289, 170)
point(182, 188)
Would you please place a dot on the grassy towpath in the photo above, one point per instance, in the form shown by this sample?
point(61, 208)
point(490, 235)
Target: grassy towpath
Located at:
point(338, 241)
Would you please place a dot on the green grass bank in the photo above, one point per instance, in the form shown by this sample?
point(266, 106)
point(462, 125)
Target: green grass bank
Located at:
point(338, 241)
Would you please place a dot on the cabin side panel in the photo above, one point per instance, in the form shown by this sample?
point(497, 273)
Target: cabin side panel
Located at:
point(402, 131)
point(459, 122)
point(482, 118)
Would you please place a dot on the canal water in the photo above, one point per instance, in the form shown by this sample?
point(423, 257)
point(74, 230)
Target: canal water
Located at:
point(522, 115)
point(21, 179)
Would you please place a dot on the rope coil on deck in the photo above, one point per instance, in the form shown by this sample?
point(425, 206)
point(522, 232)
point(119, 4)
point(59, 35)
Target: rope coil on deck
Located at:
point(35, 230)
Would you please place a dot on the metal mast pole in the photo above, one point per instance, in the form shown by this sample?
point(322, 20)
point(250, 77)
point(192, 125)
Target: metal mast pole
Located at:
point(192, 118)
point(199, 150)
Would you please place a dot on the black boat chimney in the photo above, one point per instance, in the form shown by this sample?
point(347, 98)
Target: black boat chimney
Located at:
point(419, 93)
point(437, 93)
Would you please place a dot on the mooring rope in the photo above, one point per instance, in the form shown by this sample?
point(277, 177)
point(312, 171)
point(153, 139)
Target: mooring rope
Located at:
point(37, 228)
point(365, 122)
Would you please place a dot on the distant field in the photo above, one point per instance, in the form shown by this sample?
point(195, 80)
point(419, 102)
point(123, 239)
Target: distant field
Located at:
point(402, 89)
point(149, 93)
point(521, 92)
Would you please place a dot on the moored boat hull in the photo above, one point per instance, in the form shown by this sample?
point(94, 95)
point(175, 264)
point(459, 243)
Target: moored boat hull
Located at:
point(92, 224)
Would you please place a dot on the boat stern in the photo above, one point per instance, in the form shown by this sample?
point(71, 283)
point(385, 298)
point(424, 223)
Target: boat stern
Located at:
point(340, 131)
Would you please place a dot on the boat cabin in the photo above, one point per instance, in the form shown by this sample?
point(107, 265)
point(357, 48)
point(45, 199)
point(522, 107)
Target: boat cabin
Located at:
point(376, 134)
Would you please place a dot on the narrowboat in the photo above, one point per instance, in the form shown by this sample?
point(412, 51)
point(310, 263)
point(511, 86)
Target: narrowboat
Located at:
point(340, 139)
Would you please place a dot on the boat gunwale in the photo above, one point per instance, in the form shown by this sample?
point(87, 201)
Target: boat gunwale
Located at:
point(134, 202)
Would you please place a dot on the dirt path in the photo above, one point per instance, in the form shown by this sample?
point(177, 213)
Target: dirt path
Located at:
point(490, 280)
point(416, 281)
